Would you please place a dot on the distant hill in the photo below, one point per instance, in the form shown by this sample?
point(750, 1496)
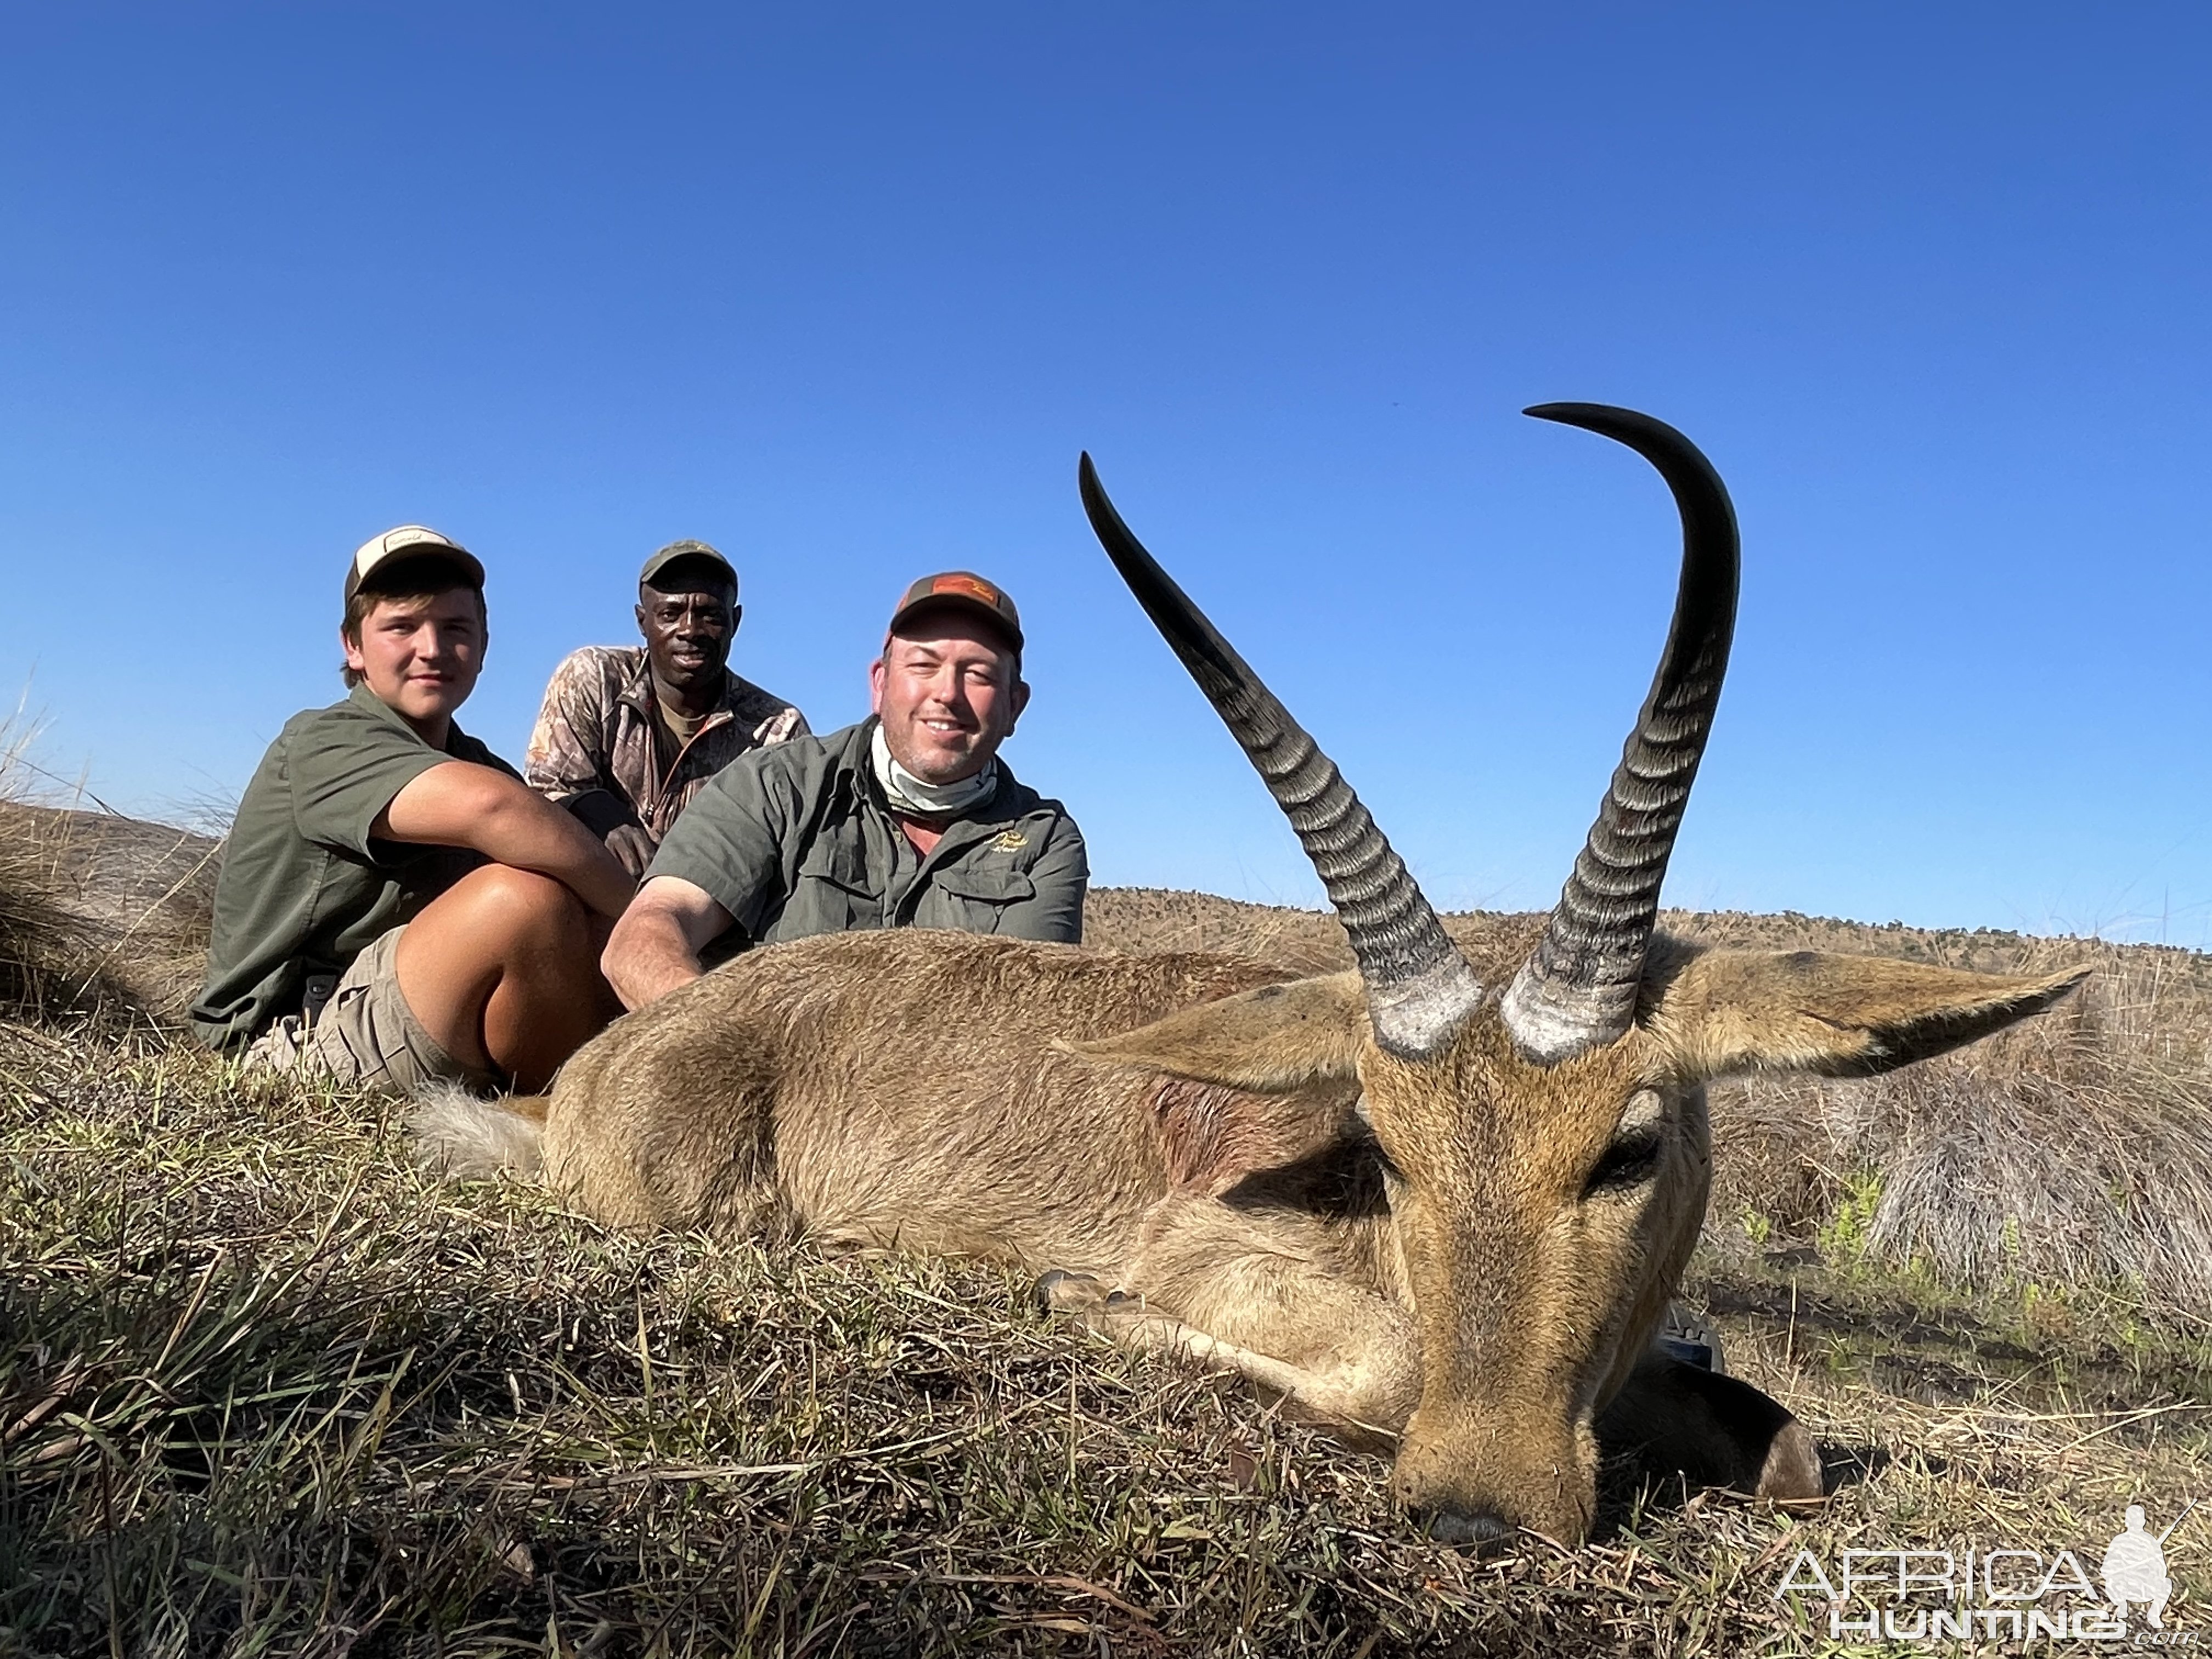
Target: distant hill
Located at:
point(1161, 919)
point(145, 892)
point(2074, 1150)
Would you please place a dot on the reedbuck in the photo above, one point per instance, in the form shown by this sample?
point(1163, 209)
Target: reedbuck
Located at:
point(1440, 1200)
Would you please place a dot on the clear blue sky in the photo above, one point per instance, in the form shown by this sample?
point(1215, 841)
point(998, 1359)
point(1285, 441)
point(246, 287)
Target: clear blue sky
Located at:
point(844, 289)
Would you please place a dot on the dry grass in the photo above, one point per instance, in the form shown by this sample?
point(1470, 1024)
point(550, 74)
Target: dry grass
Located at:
point(263, 1389)
point(98, 910)
point(2070, 1154)
point(2074, 1151)
point(100, 915)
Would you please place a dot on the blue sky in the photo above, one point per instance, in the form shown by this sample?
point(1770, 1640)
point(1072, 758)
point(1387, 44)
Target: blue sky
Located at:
point(844, 289)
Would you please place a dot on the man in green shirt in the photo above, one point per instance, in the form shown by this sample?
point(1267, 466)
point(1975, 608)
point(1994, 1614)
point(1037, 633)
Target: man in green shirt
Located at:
point(397, 906)
point(909, 819)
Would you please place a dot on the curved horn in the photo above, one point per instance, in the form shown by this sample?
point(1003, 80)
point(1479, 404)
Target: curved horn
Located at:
point(1579, 985)
point(1419, 986)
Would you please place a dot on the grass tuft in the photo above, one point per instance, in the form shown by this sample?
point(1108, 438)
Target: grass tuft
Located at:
point(266, 1389)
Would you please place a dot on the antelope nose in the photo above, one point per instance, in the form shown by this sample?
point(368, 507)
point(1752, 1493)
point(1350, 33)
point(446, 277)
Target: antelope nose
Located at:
point(1477, 1528)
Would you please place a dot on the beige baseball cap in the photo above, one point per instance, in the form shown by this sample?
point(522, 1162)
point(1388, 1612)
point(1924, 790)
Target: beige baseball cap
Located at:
point(408, 541)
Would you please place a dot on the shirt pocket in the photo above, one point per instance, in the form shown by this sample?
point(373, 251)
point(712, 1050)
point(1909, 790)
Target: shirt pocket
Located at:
point(976, 899)
point(831, 893)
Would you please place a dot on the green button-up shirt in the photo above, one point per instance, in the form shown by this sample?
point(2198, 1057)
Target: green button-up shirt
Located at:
point(798, 840)
point(305, 887)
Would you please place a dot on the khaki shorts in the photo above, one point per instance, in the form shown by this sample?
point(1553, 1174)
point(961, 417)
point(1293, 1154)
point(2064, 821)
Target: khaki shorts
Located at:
point(366, 1034)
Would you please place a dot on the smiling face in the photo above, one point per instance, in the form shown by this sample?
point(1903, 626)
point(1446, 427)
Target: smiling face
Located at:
point(949, 689)
point(688, 614)
point(420, 655)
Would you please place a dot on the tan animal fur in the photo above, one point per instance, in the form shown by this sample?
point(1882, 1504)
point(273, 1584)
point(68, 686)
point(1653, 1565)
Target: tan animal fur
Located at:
point(1444, 1198)
point(1188, 1131)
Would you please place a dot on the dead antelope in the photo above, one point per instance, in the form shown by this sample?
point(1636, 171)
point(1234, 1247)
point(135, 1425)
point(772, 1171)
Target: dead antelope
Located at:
point(1441, 1197)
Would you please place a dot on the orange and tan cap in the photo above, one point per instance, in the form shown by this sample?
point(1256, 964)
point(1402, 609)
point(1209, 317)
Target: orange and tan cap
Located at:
point(967, 590)
point(408, 541)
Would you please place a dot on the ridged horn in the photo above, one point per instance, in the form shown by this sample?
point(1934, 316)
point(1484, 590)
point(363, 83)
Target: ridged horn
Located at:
point(1578, 988)
point(1419, 988)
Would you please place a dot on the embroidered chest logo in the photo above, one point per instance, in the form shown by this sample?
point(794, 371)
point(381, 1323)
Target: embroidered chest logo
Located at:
point(1010, 840)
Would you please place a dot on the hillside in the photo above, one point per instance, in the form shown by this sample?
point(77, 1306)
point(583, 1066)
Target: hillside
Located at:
point(265, 1388)
point(2075, 1150)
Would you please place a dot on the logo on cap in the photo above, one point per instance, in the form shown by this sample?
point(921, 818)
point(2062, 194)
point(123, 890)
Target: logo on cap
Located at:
point(408, 541)
point(964, 588)
point(974, 587)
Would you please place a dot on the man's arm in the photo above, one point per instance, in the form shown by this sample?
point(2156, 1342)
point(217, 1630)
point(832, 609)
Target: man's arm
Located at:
point(459, 803)
point(726, 864)
point(615, 822)
point(563, 757)
point(655, 946)
point(1062, 876)
point(567, 760)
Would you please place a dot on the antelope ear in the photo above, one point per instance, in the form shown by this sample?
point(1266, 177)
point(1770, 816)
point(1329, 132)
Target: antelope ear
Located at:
point(1279, 1039)
point(1721, 1011)
point(1212, 1138)
point(1257, 1081)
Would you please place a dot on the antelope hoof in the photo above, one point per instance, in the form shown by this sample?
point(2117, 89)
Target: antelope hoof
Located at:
point(1061, 1292)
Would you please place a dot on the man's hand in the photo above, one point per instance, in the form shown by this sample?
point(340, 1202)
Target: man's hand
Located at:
point(614, 821)
point(633, 849)
point(655, 946)
point(460, 803)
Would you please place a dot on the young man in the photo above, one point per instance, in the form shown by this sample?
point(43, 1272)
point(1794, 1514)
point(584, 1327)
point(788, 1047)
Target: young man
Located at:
point(629, 735)
point(397, 906)
point(909, 819)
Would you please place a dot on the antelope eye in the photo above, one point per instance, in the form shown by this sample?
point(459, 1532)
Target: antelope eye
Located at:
point(1633, 1157)
point(1632, 1160)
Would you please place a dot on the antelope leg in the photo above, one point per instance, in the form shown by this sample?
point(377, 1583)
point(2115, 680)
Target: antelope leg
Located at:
point(1353, 1363)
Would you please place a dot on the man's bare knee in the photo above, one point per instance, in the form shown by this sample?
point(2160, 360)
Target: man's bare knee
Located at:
point(507, 904)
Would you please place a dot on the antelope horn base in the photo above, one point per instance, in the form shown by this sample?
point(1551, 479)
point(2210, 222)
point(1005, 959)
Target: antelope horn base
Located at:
point(1419, 988)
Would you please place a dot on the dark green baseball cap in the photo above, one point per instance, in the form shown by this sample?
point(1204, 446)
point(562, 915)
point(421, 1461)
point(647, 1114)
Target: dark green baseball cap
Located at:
point(675, 550)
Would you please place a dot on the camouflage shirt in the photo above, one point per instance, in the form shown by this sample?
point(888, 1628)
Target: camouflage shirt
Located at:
point(600, 729)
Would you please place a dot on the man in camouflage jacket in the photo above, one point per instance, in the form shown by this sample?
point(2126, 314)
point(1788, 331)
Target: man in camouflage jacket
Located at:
point(629, 735)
